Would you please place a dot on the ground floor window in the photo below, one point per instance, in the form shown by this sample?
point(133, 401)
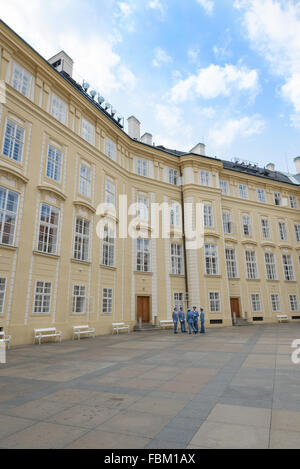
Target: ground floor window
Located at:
point(79, 299)
point(42, 298)
point(179, 299)
point(275, 301)
point(2, 293)
point(107, 300)
point(214, 302)
point(256, 304)
point(294, 302)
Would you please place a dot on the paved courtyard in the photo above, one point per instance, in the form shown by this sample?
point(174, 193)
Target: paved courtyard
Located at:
point(232, 388)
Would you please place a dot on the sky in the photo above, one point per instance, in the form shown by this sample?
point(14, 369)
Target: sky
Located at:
point(221, 72)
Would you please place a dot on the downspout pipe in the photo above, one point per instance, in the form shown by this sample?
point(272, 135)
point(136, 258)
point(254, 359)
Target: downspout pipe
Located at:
point(184, 242)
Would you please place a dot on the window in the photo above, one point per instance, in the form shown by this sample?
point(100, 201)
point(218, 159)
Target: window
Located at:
point(8, 214)
point(175, 214)
point(142, 167)
point(211, 259)
point(224, 186)
point(87, 131)
point(282, 231)
point(297, 233)
point(208, 216)
point(143, 255)
point(173, 176)
point(231, 263)
point(79, 299)
point(13, 141)
point(110, 149)
point(265, 228)
point(270, 266)
point(227, 223)
point(247, 230)
point(243, 191)
point(42, 298)
point(293, 202)
point(110, 191)
point(48, 230)
point(81, 245)
point(277, 198)
point(2, 293)
point(251, 265)
point(176, 259)
point(179, 300)
point(261, 195)
point(256, 304)
point(58, 109)
point(204, 178)
point(107, 301)
point(85, 179)
point(21, 80)
point(288, 269)
point(54, 164)
point(108, 247)
point(275, 302)
point(293, 302)
point(214, 302)
point(143, 208)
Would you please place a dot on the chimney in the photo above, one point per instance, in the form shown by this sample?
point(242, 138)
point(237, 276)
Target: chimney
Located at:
point(271, 167)
point(199, 149)
point(62, 63)
point(134, 128)
point(297, 164)
point(147, 138)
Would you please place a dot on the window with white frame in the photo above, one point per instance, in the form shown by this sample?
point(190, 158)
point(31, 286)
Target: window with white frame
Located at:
point(293, 303)
point(42, 299)
point(8, 215)
point(224, 186)
point(48, 229)
point(270, 266)
point(208, 216)
point(173, 176)
point(143, 207)
point(275, 302)
point(110, 149)
point(110, 192)
point(175, 212)
point(85, 180)
point(87, 131)
point(143, 255)
point(142, 167)
point(81, 242)
point(58, 109)
point(277, 198)
point(293, 201)
point(251, 265)
point(205, 178)
point(54, 164)
point(211, 259)
point(261, 195)
point(243, 191)
point(107, 299)
point(282, 231)
point(108, 247)
point(179, 299)
point(214, 302)
point(265, 228)
point(21, 80)
point(227, 223)
point(231, 263)
point(79, 299)
point(176, 259)
point(2, 293)
point(288, 268)
point(297, 233)
point(256, 303)
point(13, 141)
point(247, 229)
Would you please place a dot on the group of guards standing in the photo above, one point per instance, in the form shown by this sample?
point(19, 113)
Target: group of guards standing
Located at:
point(192, 318)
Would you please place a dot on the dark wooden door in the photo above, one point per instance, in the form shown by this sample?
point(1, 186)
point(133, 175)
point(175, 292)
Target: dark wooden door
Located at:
point(235, 307)
point(143, 308)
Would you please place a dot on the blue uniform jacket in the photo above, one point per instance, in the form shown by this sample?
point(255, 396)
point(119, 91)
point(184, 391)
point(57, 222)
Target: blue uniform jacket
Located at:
point(181, 316)
point(195, 315)
point(175, 316)
point(202, 317)
point(190, 316)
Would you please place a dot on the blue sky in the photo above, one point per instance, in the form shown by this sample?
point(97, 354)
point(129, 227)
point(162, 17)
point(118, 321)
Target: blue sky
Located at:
point(222, 72)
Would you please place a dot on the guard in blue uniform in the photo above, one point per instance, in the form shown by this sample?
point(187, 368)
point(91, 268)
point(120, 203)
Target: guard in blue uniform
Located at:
point(182, 319)
point(202, 321)
point(195, 319)
point(190, 320)
point(175, 319)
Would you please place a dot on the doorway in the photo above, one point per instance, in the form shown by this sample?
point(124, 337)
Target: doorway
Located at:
point(235, 307)
point(143, 308)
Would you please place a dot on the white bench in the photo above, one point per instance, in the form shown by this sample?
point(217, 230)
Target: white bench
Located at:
point(166, 323)
point(119, 326)
point(5, 338)
point(43, 333)
point(79, 330)
point(282, 317)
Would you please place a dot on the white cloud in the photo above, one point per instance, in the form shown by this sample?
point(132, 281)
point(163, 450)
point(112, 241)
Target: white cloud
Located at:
point(193, 54)
point(215, 81)
point(173, 127)
point(157, 5)
point(208, 5)
point(161, 57)
point(273, 27)
point(223, 134)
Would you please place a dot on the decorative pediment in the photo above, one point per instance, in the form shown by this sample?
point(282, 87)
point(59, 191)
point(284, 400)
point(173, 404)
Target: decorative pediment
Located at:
point(52, 190)
point(11, 174)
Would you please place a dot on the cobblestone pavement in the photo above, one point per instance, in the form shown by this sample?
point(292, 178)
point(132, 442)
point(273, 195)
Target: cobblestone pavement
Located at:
point(232, 388)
